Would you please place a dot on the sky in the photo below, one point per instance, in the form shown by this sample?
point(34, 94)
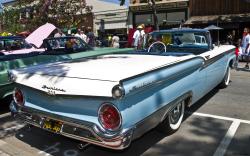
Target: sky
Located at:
point(4, 1)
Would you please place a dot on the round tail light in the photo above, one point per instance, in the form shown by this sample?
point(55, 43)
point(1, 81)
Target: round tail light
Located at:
point(18, 97)
point(109, 117)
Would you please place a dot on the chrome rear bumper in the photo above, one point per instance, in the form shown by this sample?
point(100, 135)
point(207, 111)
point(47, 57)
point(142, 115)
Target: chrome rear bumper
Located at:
point(75, 129)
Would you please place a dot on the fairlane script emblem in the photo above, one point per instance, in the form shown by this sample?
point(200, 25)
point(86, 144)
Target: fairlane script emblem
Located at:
point(52, 90)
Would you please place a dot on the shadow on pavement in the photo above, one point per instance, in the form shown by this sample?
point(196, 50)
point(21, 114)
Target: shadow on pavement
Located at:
point(201, 102)
point(196, 137)
point(4, 104)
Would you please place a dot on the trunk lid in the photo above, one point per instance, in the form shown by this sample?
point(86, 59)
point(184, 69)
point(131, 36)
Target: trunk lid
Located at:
point(91, 76)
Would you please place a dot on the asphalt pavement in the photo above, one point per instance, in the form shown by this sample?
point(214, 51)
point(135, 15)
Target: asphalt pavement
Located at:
point(217, 125)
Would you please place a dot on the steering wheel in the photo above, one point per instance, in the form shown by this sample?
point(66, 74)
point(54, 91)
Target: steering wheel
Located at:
point(157, 46)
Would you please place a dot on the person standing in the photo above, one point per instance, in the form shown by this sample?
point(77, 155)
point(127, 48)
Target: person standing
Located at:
point(83, 36)
point(245, 46)
point(90, 37)
point(78, 33)
point(115, 41)
point(237, 53)
point(138, 38)
point(229, 38)
point(59, 33)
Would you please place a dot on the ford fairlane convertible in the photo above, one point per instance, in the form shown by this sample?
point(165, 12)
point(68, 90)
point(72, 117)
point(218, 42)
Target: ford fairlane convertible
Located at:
point(113, 99)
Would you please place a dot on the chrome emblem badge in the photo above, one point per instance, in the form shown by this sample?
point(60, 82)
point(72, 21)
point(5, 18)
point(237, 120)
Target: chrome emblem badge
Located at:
point(52, 90)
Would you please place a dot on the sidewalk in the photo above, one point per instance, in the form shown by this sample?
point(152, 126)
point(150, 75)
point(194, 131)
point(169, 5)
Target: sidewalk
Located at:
point(3, 154)
point(241, 67)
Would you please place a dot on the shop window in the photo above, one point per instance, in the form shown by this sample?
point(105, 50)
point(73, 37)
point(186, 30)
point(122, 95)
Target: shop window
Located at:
point(143, 19)
point(161, 18)
point(176, 17)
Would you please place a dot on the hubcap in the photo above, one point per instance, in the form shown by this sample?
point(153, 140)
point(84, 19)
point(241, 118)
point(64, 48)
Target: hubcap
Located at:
point(176, 114)
point(227, 77)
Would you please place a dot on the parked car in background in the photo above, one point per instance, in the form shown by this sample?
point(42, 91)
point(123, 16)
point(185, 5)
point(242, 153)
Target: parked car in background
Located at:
point(113, 99)
point(200, 39)
point(33, 43)
point(15, 45)
point(123, 40)
point(54, 50)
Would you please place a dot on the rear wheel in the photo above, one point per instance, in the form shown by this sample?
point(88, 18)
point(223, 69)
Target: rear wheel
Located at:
point(174, 118)
point(226, 80)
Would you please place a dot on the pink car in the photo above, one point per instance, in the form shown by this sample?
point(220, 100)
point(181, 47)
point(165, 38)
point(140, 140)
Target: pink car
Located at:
point(18, 45)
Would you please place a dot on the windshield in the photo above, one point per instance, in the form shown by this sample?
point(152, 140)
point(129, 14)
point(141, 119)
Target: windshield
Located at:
point(178, 40)
point(65, 45)
point(13, 44)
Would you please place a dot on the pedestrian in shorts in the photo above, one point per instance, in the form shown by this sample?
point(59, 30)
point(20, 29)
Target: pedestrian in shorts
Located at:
point(245, 46)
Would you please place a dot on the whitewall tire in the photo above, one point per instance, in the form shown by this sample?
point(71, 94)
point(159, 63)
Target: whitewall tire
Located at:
point(174, 119)
point(226, 80)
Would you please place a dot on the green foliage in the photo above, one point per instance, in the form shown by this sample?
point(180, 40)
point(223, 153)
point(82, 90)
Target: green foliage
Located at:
point(62, 13)
point(10, 21)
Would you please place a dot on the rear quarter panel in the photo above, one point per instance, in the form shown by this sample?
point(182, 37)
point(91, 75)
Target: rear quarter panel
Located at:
point(148, 93)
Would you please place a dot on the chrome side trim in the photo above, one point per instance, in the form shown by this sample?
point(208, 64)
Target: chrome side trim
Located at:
point(216, 58)
point(166, 66)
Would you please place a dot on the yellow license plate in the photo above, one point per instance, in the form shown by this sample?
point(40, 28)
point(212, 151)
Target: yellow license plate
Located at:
point(52, 125)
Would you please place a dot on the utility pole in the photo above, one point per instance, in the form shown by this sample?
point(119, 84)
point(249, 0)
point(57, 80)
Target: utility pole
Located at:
point(153, 6)
point(122, 2)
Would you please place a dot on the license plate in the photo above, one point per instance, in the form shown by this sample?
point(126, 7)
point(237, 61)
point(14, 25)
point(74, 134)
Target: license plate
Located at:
point(52, 125)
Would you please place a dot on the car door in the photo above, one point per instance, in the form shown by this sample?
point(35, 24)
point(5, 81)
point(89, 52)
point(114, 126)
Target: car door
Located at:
point(214, 67)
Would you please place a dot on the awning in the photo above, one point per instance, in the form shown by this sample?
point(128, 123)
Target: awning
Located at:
point(116, 25)
point(220, 18)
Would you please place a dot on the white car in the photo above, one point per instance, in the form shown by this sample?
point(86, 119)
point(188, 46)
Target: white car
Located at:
point(113, 99)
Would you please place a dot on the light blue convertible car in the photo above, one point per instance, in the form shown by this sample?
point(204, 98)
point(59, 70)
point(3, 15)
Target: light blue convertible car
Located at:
point(111, 100)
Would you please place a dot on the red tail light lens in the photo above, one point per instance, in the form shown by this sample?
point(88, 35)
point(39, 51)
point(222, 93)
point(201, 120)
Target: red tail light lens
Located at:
point(109, 117)
point(18, 97)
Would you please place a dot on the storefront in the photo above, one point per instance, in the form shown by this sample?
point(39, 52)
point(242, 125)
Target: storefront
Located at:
point(230, 23)
point(111, 22)
point(170, 13)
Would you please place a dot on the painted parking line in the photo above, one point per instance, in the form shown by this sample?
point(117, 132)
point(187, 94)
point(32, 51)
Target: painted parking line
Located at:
point(219, 117)
point(222, 148)
point(14, 128)
point(5, 115)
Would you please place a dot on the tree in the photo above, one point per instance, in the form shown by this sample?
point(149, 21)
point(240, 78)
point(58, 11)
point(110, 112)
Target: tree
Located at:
point(66, 12)
point(62, 13)
point(9, 21)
